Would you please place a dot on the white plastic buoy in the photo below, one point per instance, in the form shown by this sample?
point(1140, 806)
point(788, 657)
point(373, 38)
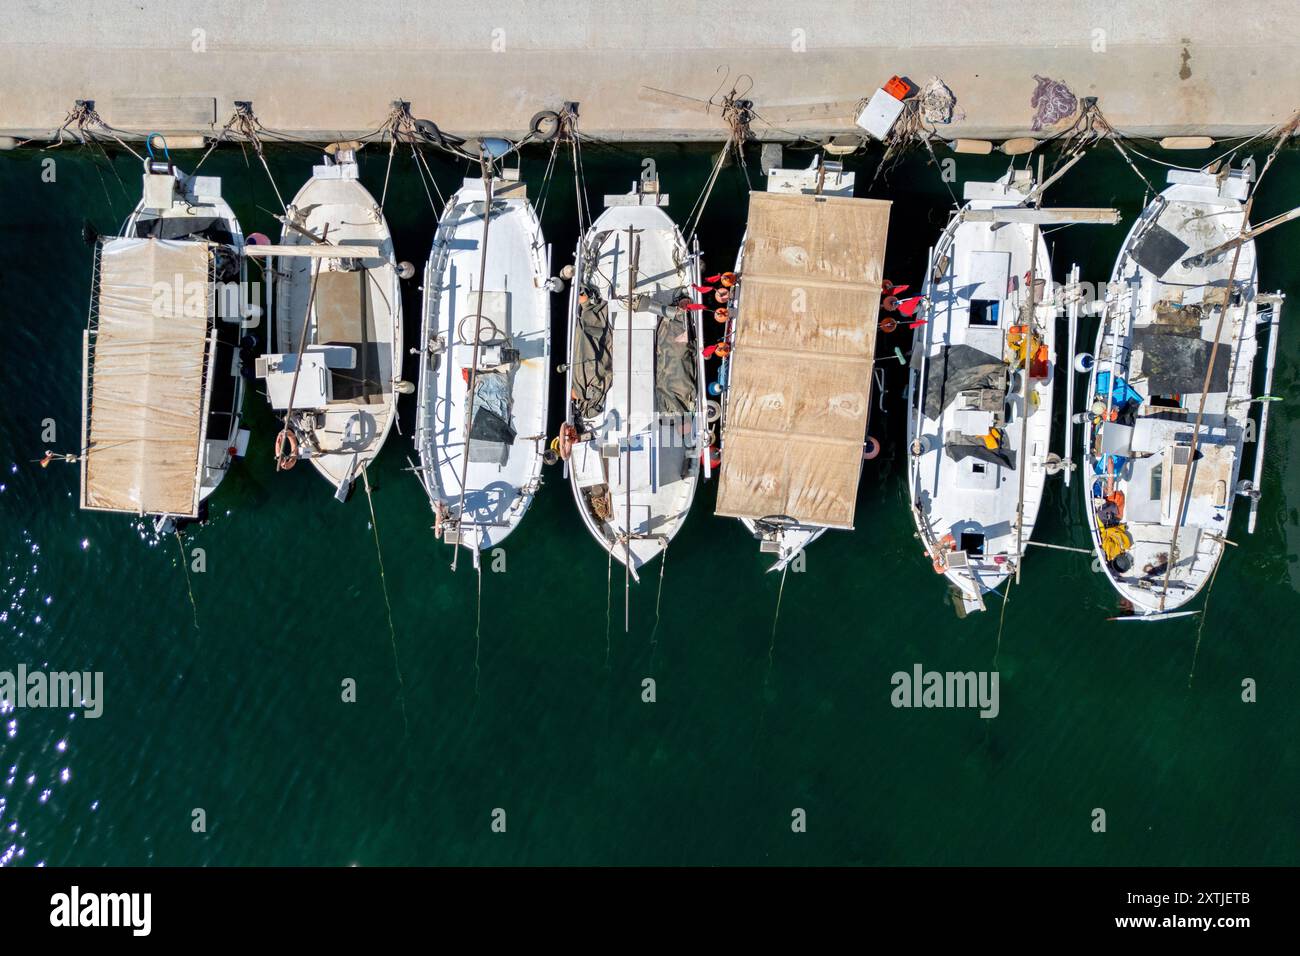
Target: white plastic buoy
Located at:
point(921, 445)
point(405, 270)
point(567, 272)
point(1083, 362)
point(403, 387)
point(554, 284)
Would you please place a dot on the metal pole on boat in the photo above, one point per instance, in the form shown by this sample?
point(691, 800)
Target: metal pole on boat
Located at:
point(1200, 411)
point(634, 255)
point(1275, 328)
point(1072, 317)
point(302, 340)
point(1023, 464)
point(485, 166)
point(1246, 235)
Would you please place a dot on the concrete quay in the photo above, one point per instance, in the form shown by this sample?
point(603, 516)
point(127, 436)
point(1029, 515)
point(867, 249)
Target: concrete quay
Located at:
point(329, 69)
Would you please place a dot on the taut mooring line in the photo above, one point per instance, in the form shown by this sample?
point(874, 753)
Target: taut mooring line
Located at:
point(776, 616)
point(609, 599)
point(180, 544)
point(478, 622)
point(1200, 626)
point(383, 580)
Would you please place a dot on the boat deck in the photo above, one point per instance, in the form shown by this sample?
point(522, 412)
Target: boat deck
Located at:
point(357, 306)
point(647, 458)
point(981, 294)
point(1143, 456)
point(500, 478)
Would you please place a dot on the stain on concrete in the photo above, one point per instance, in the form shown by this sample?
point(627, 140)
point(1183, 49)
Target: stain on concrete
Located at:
point(1185, 71)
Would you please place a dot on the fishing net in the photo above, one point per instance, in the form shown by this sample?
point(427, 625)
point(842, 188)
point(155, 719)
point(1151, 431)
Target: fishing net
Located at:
point(937, 104)
point(593, 360)
point(676, 386)
point(490, 431)
point(1052, 102)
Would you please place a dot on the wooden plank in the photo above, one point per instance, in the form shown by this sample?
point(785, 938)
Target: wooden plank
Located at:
point(1029, 216)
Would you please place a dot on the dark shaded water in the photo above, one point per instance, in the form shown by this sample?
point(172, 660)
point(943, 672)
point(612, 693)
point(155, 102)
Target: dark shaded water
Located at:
point(241, 716)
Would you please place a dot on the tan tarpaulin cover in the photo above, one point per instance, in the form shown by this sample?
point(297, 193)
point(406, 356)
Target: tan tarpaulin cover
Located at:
point(147, 396)
point(799, 391)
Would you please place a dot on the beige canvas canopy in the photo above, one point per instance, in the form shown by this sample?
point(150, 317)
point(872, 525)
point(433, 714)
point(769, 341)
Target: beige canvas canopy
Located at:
point(145, 395)
point(799, 391)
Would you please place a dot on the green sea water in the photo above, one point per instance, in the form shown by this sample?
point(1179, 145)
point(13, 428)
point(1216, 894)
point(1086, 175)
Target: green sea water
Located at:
point(233, 705)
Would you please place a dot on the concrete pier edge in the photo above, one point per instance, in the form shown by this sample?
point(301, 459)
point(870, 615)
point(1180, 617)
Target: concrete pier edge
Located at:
point(329, 70)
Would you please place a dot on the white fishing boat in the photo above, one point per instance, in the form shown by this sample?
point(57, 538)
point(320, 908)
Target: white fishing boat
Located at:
point(162, 389)
point(484, 363)
point(337, 311)
point(980, 385)
point(634, 422)
point(1170, 391)
point(795, 384)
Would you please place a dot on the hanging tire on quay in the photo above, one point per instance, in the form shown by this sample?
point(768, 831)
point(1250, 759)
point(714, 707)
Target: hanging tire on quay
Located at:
point(544, 126)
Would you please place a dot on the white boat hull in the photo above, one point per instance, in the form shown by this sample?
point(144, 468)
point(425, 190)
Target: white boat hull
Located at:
point(641, 461)
point(483, 499)
point(1132, 436)
point(356, 305)
point(199, 197)
point(967, 503)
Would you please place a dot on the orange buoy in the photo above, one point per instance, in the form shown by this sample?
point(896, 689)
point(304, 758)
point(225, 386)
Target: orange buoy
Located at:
point(714, 456)
point(568, 435)
point(728, 279)
point(888, 324)
point(723, 350)
point(721, 315)
point(890, 303)
point(870, 448)
point(284, 462)
point(722, 295)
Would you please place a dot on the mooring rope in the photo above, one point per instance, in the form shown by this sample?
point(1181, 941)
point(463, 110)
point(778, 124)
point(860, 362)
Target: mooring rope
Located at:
point(663, 566)
point(1200, 626)
point(383, 580)
point(1006, 599)
point(609, 599)
point(189, 586)
point(478, 622)
point(776, 616)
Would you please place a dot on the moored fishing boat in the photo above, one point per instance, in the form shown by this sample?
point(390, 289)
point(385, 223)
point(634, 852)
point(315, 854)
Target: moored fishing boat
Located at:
point(484, 363)
point(795, 382)
point(634, 419)
point(335, 371)
point(980, 385)
point(1170, 391)
point(162, 388)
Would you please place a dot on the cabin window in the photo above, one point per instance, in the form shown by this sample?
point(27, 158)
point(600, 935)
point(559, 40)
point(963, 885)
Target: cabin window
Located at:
point(984, 311)
point(972, 543)
point(1157, 475)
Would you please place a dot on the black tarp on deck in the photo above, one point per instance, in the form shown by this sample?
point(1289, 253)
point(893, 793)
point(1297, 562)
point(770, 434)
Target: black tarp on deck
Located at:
point(957, 369)
point(593, 360)
point(1174, 360)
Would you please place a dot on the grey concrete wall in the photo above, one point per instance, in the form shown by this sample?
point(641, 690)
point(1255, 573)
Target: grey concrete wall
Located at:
point(330, 67)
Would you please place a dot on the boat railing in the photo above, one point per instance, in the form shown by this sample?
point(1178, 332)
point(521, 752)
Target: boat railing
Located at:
point(1273, 315)
point(917, 374)
point(91, 339)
